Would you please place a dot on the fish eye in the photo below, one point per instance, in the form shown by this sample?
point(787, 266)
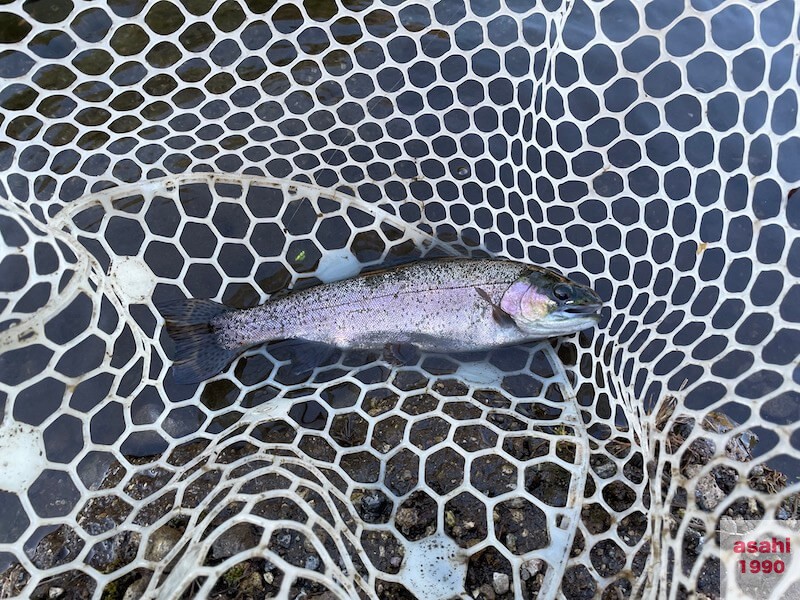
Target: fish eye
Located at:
point(562, 292)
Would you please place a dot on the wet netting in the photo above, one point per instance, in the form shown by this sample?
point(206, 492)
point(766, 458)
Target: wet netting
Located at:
point(152, 151)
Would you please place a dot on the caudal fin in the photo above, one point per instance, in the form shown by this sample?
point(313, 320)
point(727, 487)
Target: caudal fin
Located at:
point(198, 353)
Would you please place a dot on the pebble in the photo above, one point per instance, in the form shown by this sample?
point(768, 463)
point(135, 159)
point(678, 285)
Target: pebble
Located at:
point(501, 583)
point(532, 568)
point(136, 590)
point(161, 542)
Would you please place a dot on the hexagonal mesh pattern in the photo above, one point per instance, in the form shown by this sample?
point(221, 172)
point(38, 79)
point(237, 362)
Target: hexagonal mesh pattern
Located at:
point(159, 150)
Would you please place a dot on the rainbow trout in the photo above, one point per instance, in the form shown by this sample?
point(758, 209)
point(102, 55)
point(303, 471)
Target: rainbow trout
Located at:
point(443, 305)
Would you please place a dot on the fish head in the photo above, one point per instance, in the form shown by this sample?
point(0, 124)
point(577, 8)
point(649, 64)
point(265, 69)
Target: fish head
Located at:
point(544, 304)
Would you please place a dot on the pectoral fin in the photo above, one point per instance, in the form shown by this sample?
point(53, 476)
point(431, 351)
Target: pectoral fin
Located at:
point(500, 316)
point(400, 354)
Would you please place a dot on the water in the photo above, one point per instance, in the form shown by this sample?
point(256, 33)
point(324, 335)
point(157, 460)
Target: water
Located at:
point(639, 162)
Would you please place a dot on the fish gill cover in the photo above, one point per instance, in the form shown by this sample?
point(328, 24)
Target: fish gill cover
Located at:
point(231, 151)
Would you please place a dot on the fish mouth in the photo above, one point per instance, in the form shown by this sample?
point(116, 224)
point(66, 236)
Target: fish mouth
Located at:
point(560, 323)
point(581, 310)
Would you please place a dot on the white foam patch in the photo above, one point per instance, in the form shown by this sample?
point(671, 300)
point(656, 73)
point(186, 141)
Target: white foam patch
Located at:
point(434, 568)
point(22, 456)
point(276, 407)
point(336, 265)
point(480, 373)
point(133, 278)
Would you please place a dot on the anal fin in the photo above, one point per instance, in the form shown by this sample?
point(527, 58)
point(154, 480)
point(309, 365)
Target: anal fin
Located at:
point(305, 355)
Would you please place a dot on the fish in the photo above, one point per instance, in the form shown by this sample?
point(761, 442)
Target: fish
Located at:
point(445, 305)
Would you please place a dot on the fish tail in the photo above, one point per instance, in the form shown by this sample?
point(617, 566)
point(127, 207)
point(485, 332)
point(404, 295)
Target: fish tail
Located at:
point(199, 353)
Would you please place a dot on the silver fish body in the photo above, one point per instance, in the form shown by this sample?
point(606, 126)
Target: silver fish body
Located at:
point(444, 305)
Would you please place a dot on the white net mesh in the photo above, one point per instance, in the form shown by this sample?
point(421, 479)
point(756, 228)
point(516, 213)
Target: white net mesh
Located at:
point(160, 150)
